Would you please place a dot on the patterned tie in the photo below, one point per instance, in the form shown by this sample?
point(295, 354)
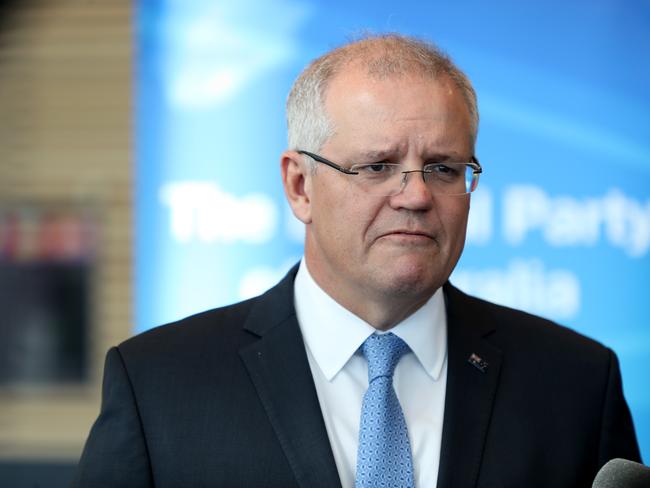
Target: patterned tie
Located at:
point(384, 457)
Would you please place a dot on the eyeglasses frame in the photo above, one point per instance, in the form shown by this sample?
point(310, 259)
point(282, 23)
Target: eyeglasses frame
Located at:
point(473, 163)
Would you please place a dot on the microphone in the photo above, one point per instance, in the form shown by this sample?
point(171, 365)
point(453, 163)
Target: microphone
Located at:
point(621, 473)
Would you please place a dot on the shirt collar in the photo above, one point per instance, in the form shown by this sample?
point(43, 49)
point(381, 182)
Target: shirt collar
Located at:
point(333, 334)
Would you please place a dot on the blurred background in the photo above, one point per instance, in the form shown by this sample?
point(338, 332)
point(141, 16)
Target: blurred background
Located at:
point(139, 178)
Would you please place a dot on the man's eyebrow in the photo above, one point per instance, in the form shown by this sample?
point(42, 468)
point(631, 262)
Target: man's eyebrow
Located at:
point(440, 157)
point(376, 155)
point(445, 157)
point(392, 153)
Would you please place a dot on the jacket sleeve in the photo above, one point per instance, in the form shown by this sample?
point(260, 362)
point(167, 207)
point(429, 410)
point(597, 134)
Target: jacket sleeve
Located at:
point(617, 437)
point(115, 453)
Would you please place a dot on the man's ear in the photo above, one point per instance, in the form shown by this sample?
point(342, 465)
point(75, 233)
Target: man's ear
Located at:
point(296, 179)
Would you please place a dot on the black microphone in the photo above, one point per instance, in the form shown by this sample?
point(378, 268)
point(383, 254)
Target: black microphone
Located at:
point(621, 473)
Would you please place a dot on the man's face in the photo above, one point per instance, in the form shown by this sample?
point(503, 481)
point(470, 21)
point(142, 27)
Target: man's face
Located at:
point(363, 247)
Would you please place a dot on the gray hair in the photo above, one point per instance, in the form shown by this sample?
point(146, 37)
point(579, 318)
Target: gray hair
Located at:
point(383, 56)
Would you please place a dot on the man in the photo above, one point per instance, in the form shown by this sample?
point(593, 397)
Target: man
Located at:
point(283, 390)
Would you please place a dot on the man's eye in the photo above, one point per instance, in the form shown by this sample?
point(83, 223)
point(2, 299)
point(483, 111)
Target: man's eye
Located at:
point(376, 168)
point(441, 170)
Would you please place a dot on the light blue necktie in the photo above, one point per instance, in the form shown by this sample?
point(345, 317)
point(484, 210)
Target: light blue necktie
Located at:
point(384, 456)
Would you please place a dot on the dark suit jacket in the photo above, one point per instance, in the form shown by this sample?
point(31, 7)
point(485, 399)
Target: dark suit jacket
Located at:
point(226, 399)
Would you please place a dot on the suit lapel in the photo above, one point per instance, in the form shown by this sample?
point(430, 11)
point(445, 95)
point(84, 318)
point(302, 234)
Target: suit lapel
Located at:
point(472, 379)
point(279, 369)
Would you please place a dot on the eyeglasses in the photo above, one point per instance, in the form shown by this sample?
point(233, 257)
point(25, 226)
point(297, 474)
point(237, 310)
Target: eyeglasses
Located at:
point(389, 179)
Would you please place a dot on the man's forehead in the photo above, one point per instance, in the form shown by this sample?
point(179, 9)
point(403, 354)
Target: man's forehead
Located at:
point(350, 89)
point(366, 109)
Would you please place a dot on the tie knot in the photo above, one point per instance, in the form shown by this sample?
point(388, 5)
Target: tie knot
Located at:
point(383, 351)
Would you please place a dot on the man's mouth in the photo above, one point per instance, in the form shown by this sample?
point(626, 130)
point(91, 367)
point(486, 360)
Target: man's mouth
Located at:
point(408, 235)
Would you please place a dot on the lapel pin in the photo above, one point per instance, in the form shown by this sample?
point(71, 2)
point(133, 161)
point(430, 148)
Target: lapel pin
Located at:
point(478, 362)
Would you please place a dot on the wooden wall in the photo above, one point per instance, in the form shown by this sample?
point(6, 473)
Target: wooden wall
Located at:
point(66, 125)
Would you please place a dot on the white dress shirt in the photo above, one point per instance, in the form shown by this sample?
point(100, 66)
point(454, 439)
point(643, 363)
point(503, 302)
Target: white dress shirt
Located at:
point(333, 336)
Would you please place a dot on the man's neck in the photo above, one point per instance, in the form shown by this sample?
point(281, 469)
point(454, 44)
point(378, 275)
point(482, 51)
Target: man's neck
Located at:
point(381, 311)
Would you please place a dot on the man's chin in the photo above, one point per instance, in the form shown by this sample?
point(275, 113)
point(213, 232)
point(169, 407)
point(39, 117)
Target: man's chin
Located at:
point(415, 281)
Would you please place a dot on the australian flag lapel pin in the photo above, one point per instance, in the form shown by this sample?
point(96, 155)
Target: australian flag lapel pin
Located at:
point(478, 362)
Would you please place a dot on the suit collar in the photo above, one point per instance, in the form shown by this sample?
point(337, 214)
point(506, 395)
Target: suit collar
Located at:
point(273, 307)
point(333, 334)
point(279, 369)
point(472, 379)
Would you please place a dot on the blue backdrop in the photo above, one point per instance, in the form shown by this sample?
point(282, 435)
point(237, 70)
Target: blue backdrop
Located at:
point(560, 225)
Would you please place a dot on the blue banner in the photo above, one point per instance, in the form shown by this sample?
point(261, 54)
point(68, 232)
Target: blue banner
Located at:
point(560, 225)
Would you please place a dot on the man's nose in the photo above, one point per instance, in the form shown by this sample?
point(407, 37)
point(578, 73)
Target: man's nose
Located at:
point(414, 194)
